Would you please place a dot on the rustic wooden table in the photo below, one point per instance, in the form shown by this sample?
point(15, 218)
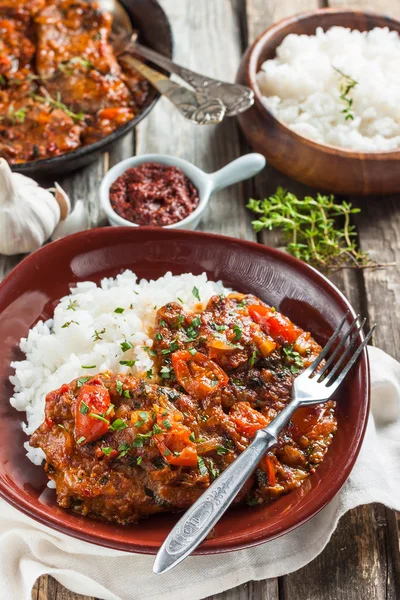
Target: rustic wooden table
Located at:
point(362, 560)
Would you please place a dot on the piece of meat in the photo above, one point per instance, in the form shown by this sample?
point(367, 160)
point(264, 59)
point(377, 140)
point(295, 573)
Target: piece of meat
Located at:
point(119, 448)
point(75, 59)
point(30, 130)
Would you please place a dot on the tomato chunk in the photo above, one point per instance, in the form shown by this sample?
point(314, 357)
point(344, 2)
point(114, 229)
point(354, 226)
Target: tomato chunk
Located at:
point(274, 324)
point(198, 374)
point(176, 447)
point(91, 420)
point(247, 420)
point(306, 418)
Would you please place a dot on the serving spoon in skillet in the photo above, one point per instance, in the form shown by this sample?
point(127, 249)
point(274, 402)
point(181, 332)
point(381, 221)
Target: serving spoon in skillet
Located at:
point(315, 385)
point(198, 107)
point(234, 97)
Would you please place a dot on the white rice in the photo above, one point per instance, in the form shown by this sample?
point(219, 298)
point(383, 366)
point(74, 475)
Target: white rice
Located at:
point(302, 89)
point(57, 354)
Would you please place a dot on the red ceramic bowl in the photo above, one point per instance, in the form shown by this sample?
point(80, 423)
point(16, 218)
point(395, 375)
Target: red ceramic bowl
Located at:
point(31, 292)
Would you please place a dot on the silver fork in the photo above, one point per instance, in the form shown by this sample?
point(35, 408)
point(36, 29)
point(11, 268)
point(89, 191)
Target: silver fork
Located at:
point(311, 387)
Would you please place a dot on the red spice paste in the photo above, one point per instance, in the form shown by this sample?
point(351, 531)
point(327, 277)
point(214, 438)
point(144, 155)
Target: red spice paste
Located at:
point(153, 194)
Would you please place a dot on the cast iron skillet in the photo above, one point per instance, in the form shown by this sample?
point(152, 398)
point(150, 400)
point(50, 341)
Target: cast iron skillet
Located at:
point(154, 28)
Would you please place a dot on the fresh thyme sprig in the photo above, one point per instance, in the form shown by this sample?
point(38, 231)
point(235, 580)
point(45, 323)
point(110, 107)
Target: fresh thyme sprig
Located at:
point(345, 89)
point(67, 67)
point(56, 103)
point(311, 229)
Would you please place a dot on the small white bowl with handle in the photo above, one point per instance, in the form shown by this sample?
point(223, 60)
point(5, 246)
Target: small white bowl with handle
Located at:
point(206, 183)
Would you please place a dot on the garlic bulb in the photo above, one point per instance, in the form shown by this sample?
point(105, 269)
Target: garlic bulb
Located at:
point(78, 220)
point(28, 213)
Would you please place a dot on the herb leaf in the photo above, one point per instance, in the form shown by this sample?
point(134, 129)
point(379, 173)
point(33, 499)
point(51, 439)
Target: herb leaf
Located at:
point(195, 293)
point(311, 228)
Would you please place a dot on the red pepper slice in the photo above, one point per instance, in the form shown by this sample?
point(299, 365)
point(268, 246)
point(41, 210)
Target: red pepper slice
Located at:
point(274, 324)
point(247, 420)
point(92, 400)
point(267, 465)
point(198, 374)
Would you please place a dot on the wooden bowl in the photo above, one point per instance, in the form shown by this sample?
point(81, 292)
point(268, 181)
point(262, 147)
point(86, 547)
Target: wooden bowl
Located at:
point(31, 292)
point(321, 166)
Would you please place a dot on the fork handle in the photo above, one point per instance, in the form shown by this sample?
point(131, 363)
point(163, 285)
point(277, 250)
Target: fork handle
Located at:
point(198, 521)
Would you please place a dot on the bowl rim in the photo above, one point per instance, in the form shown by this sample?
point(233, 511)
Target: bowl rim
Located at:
point(252, 58)
point(326, 494)
point(99, 145)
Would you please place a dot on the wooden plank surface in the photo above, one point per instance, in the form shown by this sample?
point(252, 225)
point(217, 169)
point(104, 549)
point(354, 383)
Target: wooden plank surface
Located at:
point(362, 561)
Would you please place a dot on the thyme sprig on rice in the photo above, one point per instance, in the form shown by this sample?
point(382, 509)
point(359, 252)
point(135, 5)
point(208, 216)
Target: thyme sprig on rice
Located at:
point(348, 84)
point(311, 229)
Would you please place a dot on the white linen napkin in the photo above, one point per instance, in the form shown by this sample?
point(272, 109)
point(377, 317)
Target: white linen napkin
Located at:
point(28, 549)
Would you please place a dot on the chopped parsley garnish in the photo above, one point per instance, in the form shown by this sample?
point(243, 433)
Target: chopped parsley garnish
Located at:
point(252, 358)
point(237, 331)
point(117, 425)
point(72, 305)
point(97, 334)
point(195, 293)
point(191, 334)
point(158, 336)
point(81, 439)
point(84, 408)
point(68, 323)
point(149, 374)
point(119, 310)
point(293, 357)
point(192, 351)
point(167, 424)
point(202, 467)
point(140, 439)
point(88, 366)
point(123, 449)
point(125, 346)
point(139, 423)
point(127, 363)
point(143, 414)
point(165, 372)
point(196, 322)
point(149, 351)
point(221, 450)
point(118, 385)
point(107, 450)
point(213, 469)
point(82, 380)
point(99, 417)
point(157, 429)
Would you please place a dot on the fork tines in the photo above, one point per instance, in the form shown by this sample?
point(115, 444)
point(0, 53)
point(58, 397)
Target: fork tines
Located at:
point(331, 373)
